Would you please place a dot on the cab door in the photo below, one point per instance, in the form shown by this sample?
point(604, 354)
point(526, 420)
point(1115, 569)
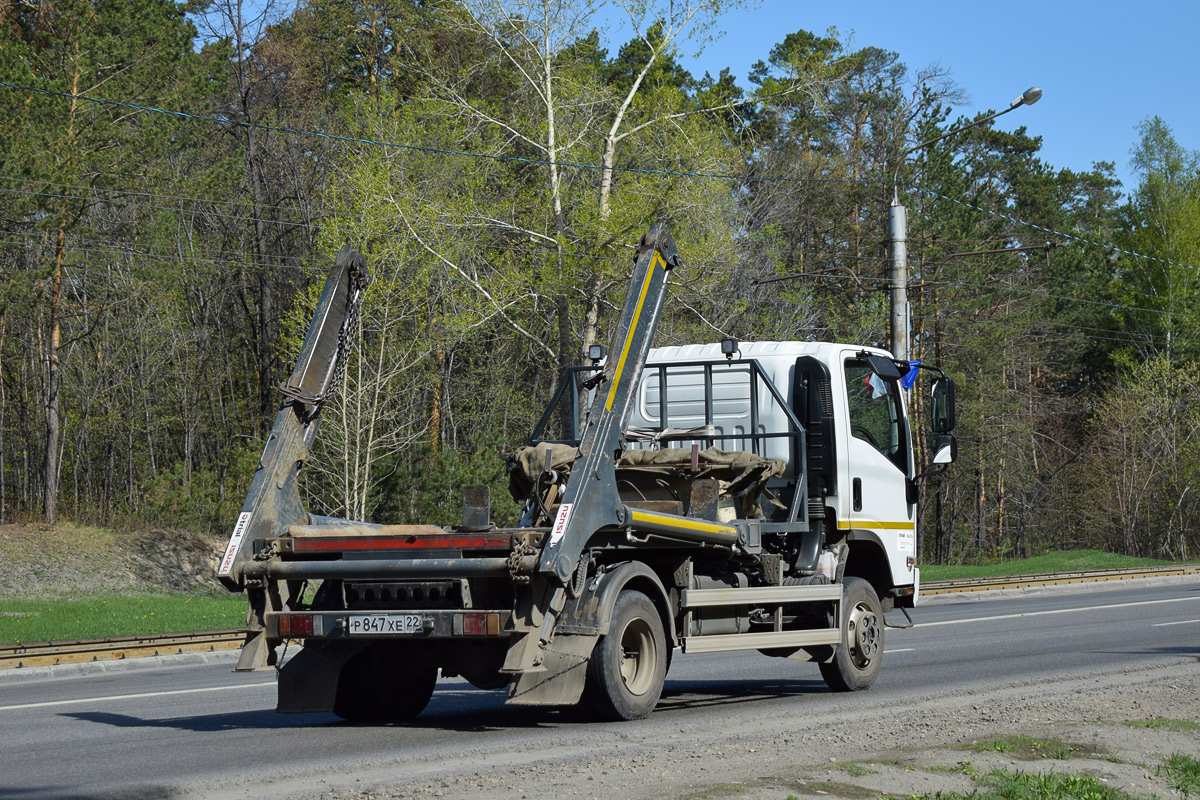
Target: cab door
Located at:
point(878, 465)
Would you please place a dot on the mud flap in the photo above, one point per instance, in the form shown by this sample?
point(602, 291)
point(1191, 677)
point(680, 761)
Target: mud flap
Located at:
point(561, 681)
point(257, 653)
point(308, 681)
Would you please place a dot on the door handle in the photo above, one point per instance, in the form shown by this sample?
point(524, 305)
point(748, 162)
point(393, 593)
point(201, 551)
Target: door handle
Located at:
point(857, 492)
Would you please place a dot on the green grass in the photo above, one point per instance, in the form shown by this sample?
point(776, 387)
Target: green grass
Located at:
point(1028, 747)
point(851, 768)
point(1160, 723)
point(842, 789)
point(1183, 773)
point(719, 790)
point(962, 768)
point(50, 620)
point(1004, 785)
point(1059, 561)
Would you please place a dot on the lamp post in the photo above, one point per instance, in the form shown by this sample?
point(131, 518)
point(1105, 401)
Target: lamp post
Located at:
point(898, 228)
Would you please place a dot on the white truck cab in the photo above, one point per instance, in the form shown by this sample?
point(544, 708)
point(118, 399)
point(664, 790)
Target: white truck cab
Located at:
point(860, 463)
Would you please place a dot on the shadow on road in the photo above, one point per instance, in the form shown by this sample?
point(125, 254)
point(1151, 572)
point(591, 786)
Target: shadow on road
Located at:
point(475, 711)
point(1187, 651)
point(238, 720)
point(75, 793)
point(681, 695)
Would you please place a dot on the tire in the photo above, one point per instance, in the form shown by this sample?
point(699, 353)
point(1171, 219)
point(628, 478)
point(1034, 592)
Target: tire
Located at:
point(384, 684)
point(629, 664)
point(857, 658)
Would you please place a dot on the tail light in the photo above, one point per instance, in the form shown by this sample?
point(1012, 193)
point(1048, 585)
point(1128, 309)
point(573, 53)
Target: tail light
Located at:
point(299, 625)
point(477, 624)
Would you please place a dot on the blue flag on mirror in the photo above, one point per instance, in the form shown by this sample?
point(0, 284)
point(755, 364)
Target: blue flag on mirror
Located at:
point(910, 377)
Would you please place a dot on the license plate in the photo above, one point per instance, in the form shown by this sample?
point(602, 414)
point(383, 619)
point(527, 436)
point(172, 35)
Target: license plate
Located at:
point(372, 624)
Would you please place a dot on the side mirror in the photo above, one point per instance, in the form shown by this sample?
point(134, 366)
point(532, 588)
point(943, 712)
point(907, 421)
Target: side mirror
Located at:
point(944, 447)
point(942, 406)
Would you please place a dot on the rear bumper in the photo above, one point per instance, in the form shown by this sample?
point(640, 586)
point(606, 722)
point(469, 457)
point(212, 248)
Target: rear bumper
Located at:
point(432, 624)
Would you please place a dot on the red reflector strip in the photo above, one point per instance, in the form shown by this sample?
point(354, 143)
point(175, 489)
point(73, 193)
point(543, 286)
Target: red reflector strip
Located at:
point(292, 625)
point(478, 624)
point(401, 543)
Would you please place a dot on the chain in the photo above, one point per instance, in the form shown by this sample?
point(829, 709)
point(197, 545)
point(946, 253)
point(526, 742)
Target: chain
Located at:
point(349, 329)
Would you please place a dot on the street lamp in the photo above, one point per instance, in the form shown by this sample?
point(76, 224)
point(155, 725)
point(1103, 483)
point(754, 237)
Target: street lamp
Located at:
point(898, 227)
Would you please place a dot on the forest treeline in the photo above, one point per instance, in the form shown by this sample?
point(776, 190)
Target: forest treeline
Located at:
point(496, 161)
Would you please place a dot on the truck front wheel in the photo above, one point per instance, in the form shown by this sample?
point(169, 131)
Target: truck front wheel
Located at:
point(629, 664)
point(384, 684)
point(857, 658)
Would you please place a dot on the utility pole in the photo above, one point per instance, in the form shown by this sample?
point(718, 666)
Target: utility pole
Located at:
point(898, 234)
point(898, 228)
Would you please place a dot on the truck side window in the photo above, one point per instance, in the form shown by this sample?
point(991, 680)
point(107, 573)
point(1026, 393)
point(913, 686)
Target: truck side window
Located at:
point(875, 412)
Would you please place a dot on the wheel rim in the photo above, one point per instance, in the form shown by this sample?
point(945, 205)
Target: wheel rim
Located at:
point(639, 657)
point(864, 635)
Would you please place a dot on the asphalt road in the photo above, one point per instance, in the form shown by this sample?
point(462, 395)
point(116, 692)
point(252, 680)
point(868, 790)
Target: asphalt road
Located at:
point(160, 727)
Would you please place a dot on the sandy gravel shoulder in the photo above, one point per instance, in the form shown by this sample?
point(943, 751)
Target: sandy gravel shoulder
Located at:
point(918, 747)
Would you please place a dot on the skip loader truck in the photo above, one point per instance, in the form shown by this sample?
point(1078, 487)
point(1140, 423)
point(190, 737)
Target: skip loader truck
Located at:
point(732, 496)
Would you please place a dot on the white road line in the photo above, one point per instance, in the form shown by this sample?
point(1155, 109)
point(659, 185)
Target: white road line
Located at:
point(1181, 622)
point(135, 696)
point(1058, 611)
point(899, 650)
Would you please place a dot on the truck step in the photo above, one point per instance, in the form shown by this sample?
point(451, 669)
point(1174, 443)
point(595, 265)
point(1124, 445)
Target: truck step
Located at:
point(755, 641)
point(699, 598)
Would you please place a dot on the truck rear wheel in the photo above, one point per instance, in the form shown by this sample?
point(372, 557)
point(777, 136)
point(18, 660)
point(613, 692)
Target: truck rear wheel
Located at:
point(629, 664)
point(384, 684)
point(857, 658)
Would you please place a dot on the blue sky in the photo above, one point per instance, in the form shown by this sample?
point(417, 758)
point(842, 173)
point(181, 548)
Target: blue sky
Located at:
point(1104, 66)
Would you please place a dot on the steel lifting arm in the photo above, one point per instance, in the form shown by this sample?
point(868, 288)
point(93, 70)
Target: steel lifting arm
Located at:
point(590, 501)
point(273, 502)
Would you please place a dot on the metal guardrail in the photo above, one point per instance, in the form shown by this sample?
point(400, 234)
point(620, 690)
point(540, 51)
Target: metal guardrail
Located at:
point(1053, 578)
point(41, 654)
point(115, 648)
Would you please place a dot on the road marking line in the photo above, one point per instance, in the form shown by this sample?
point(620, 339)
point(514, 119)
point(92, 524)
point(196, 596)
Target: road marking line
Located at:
point(135, 696)
point(1057, 611)
point(1181, 622)
point(900, 650)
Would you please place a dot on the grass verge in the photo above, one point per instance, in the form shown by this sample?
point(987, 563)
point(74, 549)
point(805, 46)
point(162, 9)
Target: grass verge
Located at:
point(114, 615)
point(1183, 772)
point(1030, 747)
point(1058, 561)
point(1166, 724)
point(1002, 784)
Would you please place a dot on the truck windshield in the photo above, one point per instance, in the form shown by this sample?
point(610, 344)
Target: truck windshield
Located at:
point(876, 415)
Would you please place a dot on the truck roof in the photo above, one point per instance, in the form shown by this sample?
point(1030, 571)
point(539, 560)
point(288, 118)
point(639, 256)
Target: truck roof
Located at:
point(761, 350)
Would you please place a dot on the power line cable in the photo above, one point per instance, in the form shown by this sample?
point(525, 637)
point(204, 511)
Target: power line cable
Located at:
point(103, 246)
point(1043, 229)
point(123, 201)
point(427, 148)
point(575, 165)
point(124, 193)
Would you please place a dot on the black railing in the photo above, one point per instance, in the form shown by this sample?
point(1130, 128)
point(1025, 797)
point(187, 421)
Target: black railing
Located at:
point(572, 387)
